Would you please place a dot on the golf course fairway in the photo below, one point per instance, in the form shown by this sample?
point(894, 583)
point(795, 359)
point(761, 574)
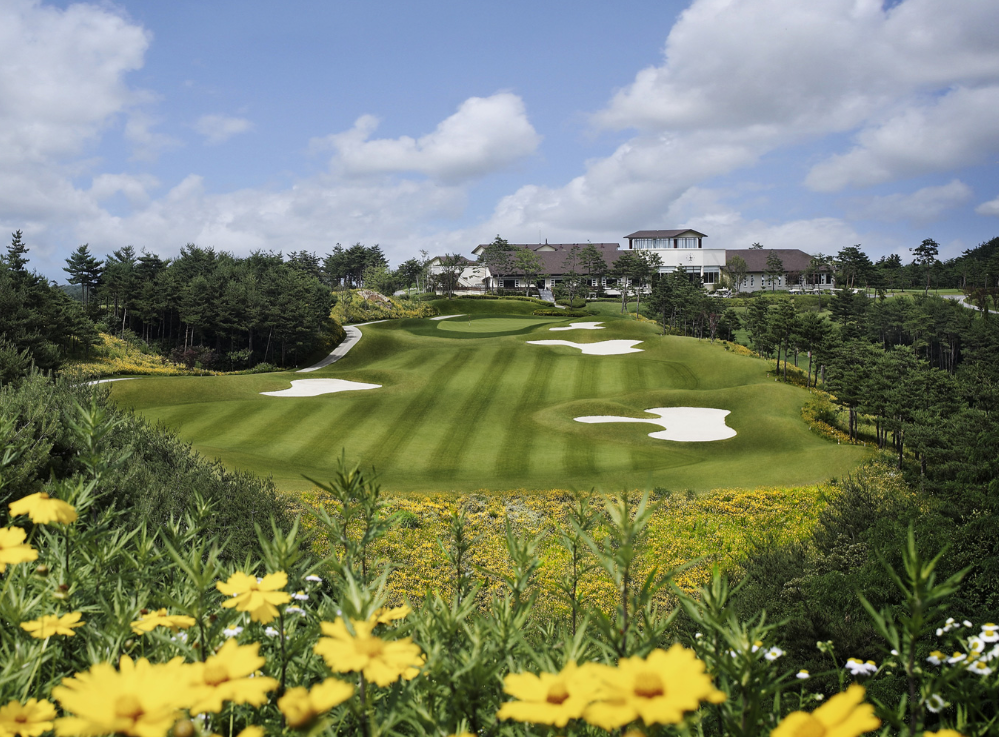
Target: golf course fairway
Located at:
point(464, 407)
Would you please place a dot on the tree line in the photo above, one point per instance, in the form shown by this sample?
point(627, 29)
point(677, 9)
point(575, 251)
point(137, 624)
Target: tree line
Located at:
point(40, 324)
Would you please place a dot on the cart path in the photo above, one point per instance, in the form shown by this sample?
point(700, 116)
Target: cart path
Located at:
point(353, 336)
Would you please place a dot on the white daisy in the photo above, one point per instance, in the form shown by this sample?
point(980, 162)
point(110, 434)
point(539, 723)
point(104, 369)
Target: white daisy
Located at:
point(858, 667)
point(980, 668)
point(271, 632)
point(990, 632)
point(936, 658)
point(300, 596)
point(773, 653)
point(935, 703)
point(802, 674)
point(313, 578)
point(295, 610)
point(232, 631)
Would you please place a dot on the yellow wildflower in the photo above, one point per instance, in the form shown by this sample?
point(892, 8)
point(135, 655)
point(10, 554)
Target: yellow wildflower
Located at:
point(160, 618)
point(140, 699)
point(301, 707)
point(943, 733)
point(549, 698)
point(252, 731)
point(384, 616)
point(50, 624)
point(258, 597)
point(43, 509)
point(381, 661)
point(842, 716)
point(26, 720)
point(657, 689)
point(13, 549)
point(225, 676)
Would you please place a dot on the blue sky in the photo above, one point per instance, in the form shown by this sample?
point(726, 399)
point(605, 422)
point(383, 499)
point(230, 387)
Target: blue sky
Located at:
point(435, 126)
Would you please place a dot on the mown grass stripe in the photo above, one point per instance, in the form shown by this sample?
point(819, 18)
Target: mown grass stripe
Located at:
point(519, 441)
point(471, 418)
point(323, 437)
point(409, 423)
point(284, 425)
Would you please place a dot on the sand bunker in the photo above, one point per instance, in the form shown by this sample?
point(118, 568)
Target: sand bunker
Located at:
point(682, 424)
point(445, 317)
point(603, 348)
point(315, 387)
point(580, 326)
point(108, 381)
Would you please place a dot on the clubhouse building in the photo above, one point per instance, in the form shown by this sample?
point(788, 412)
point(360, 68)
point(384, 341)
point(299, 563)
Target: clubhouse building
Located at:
point(677, 249)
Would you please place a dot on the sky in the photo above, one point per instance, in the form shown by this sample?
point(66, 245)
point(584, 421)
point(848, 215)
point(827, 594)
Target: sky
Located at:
point(436, 126)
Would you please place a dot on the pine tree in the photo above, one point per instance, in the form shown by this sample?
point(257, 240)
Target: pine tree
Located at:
point(15, 253)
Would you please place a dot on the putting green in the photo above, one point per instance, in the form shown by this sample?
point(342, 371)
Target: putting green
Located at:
point(488, 411)
point(488, 324)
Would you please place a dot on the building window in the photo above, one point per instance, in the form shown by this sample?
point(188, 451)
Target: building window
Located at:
point(752, 280)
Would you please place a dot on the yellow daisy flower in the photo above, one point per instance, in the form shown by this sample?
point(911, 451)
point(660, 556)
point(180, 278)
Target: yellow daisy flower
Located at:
point(550, 698)
point(258, 597)
point(382, 662)
point(943, 733)
point(225, 677)
point(252, 731)
point(657, 689)
point(140, 699)
point(160, 618)
point(50, 624)
point(43, 509)
point(384, 616)
point(301, 707)
point(13, 549)
point(844, 715)
point(26, 720)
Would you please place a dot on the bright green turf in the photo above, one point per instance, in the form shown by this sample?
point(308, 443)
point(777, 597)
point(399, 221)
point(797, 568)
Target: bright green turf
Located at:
point(475, 409)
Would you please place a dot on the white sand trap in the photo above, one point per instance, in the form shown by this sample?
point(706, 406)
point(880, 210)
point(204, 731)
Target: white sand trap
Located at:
point(683, 424)
point(315, 387)
point(445, 317)
point(603, 348)
point(108, 381)
point(580, 326)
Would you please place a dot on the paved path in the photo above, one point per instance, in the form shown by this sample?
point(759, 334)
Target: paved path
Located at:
point(353, 335)
point(960, 298)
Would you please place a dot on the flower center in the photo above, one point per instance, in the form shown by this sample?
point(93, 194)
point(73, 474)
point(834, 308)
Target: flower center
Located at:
point(128, 706)
point(21, 718)
point(370, 646)
point(557, 693)
point(648, 685)
point(216, 673)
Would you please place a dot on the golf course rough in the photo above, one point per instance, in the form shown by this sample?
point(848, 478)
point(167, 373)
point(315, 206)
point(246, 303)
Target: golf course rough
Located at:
point(477, 408)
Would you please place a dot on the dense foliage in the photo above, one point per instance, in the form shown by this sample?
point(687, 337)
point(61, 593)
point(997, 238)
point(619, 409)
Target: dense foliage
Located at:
point(150, 476)
point(40, 324)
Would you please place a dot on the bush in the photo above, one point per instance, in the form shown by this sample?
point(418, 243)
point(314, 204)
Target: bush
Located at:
point(553, 312)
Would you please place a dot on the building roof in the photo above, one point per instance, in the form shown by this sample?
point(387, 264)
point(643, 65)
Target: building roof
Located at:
point(756, 258)
point(664, 233)
point(553, 255)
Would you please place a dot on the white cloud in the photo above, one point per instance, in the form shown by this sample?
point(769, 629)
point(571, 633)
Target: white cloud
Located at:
point(741, 79)
point(989, 208)
point(921, 207)
point(135, 188)
point(313, 214)
point(955, 130)
point(484, 135)
point(220, 128)
point(62, 77)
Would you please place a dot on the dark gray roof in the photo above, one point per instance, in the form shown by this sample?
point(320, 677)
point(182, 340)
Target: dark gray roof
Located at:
point(552, 261)
point(756, 258)
point(664, 233)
